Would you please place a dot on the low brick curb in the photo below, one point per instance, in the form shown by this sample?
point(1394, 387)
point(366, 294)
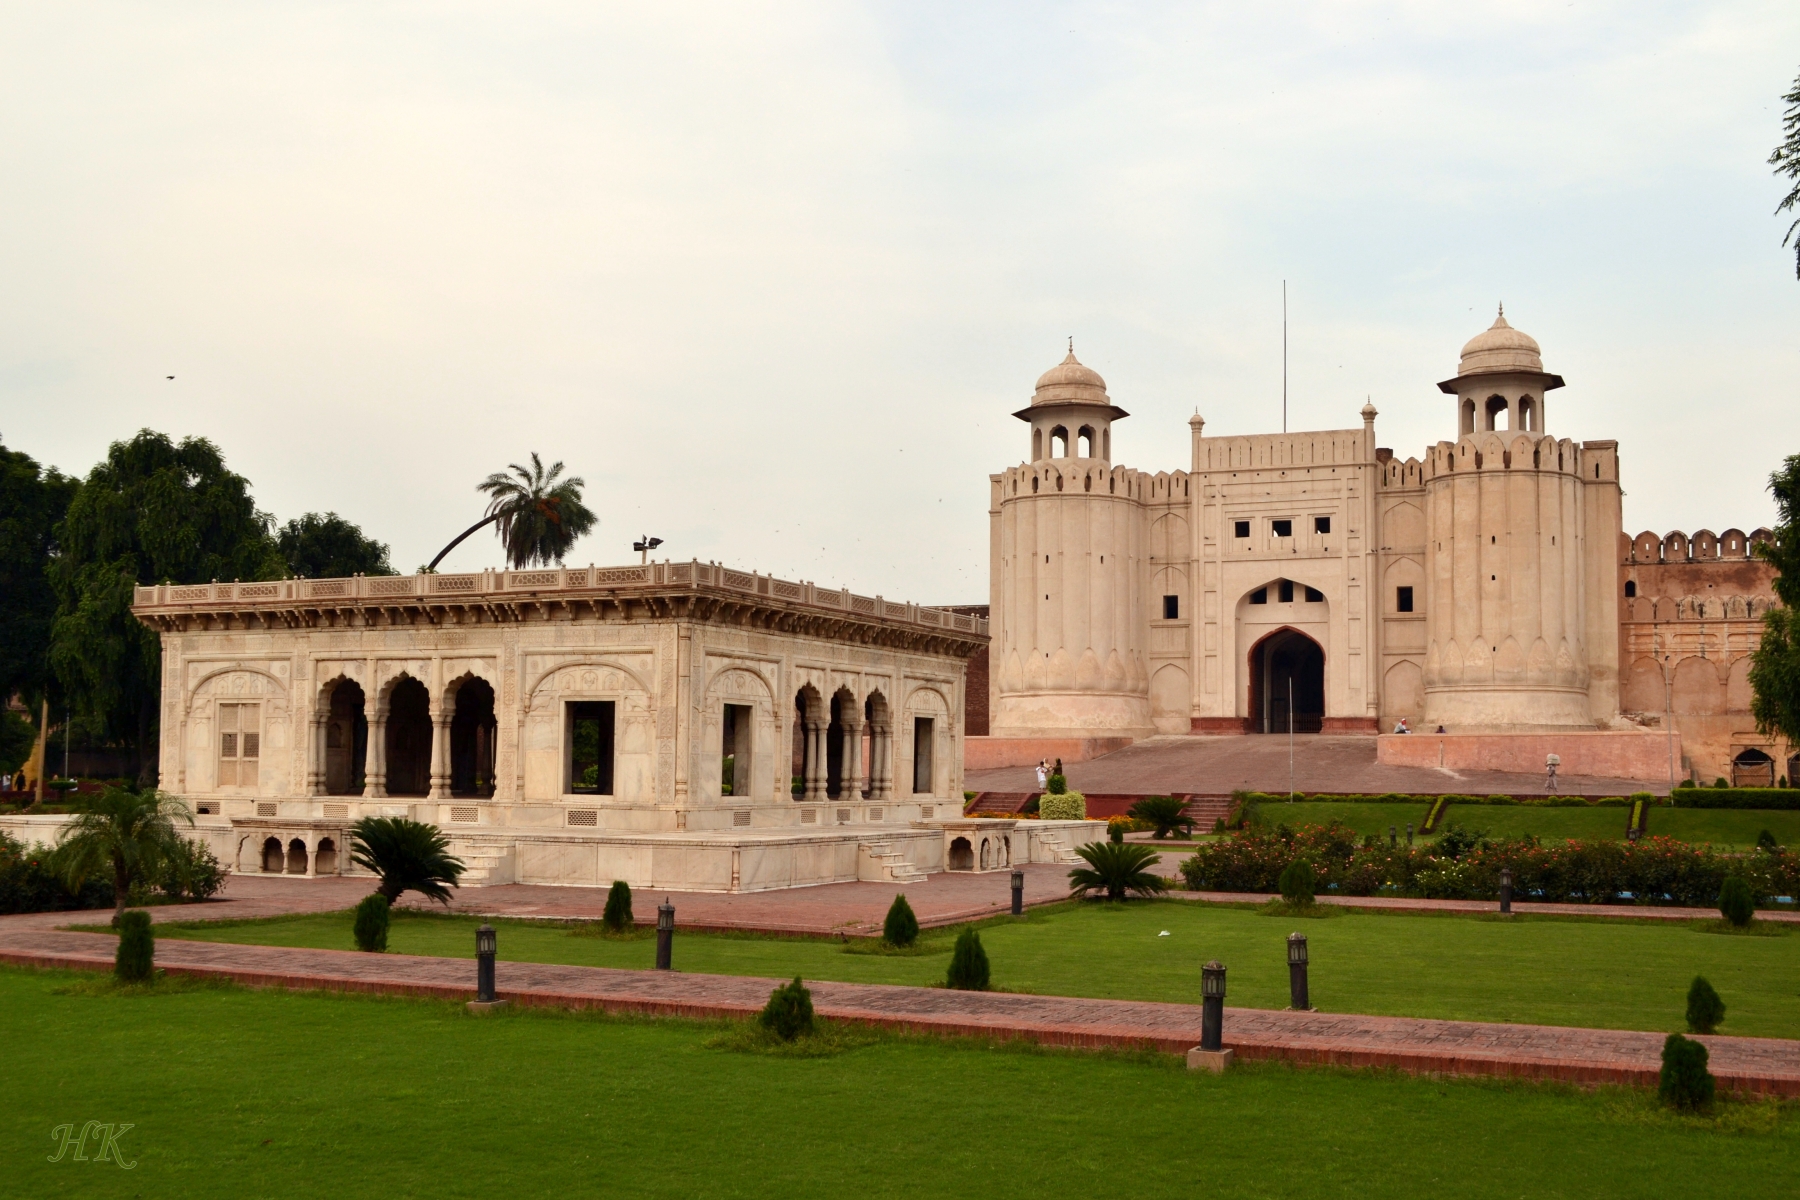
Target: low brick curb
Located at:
point(1580, 1056)
point(1647, 912)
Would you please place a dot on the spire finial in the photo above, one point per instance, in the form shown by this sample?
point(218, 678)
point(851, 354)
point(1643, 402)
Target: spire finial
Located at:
point(1071, 343)
point(1503, 308)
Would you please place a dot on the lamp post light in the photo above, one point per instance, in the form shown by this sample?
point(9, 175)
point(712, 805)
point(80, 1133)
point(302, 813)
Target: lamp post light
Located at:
point(665, 935)
point(1018, 892)
point(1506, 889)
point(1409, 833)
point(644, 545)
point(1393, 837)
point(1212, 1001)
point(486, 945)
point(1298, 998)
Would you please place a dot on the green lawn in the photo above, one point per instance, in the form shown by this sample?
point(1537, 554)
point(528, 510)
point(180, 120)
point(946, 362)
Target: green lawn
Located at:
point(1724, 827)
point(1620, 974)
point(1735, 827)
point(234, 1093)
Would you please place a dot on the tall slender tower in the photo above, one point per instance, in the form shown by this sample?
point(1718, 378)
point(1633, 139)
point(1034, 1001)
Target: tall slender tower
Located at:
point(1515, 611)
point(1066, 551)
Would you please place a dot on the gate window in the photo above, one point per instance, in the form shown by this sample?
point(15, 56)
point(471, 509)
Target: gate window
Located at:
point(1171, 608)
point(922, 738)
point(734, 761)
point(240, 744)
point(1403, 601)
point(590, 742)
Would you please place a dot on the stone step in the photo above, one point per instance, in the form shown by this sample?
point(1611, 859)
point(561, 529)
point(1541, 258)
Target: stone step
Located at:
point(896, 866)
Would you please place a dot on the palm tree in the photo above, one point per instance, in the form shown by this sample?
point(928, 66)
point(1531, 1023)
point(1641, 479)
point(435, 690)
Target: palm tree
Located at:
point(132, 834)
point(407, 855)
point(539, 515)
point(1119, 868)
point(1165, 813)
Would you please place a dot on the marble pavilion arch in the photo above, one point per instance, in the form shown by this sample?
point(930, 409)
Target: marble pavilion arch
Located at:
point(676, 725)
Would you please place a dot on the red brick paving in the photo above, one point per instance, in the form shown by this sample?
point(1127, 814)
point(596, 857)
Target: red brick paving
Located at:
point(1585, 1056)
point(1202, 765)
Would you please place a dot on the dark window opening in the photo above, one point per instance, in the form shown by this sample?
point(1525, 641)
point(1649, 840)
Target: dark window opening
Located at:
point(1403, 599)
point(1259, 596)
point(1281, 528)
point(1286, 589)
point(1315, 596)
point(591, 748)
point(1321, 524)
point(734, 750)
point(1630, 587)
point(922, 739)
point(1171, 608)
point(1242, 528)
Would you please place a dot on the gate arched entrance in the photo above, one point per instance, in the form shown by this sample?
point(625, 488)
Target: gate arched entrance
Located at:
point(1286, 668)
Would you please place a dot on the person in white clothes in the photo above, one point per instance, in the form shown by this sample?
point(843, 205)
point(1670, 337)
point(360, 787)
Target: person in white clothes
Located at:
point(1551, 762)
point(1043, 774)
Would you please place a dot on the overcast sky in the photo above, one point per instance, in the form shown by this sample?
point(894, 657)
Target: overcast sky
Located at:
point(773, 278)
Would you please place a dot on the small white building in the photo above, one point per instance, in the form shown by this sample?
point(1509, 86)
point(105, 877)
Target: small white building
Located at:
point(675, 725)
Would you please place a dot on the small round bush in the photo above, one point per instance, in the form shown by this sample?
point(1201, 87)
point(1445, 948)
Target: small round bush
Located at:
point(1297, 882)
point(901, 927)
point(1685, 1082)
point(1736, 904)
point(371, 928)
point(968, 963)
point(617, 917)
point(1765, 840)
point(1705, 1011)
point(1057, 784)
point(136, 957)
point(789, 1012)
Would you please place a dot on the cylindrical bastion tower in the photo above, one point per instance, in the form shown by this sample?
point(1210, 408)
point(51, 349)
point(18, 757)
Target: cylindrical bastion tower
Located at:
point(1066, 556)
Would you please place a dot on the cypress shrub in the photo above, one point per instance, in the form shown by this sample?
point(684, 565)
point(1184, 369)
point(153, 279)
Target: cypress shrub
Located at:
point(789, 1012)
point(135, 961)
point(1736, 904)
point(968, 963)
point(1685, 1081)
point(901, 928)
point(1766, 841)
point(1705, 1011)
point(371, 928)
point(1297, 882)
point(617, 917)
point(1057, 784)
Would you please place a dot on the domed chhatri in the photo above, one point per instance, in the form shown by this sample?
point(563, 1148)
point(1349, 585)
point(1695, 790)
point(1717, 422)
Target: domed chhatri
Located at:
point(1500, 349)
point(1069, 381)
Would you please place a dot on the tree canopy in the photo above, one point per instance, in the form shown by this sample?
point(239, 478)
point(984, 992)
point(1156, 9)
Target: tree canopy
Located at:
point(32, 502)
point(153, 511)
point(1775, 667)
point(540, 515)
point(325, 546)
point(1786, 161)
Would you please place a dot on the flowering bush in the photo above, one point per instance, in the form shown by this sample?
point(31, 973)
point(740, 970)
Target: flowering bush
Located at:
point(1654, 870)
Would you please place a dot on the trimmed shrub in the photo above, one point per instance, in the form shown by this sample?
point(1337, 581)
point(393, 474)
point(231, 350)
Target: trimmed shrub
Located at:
point(371, 927)
point(1064, 806)
point(1721, 782)
point(901, 927)
point(968, 963)
point(1297, 881)
point(789, 1012)
point(1685, 1082)
point(1765, 840)
point(1116, 829)
point(1746, 797)
point(1705, 1011)
point(617, 917)
point(1057, 784)
point(192, 872)
point(136, 957)
point(1736, 904)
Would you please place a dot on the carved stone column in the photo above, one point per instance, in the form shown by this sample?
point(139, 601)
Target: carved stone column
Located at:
point(375, 769)
point(851, 788)
point(881, 767)
point(815, 762)
point(440, 757)
point(318, 758)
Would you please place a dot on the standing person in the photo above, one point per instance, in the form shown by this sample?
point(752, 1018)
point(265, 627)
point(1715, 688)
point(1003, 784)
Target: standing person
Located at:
point(1551, 762)
point(1043, 774)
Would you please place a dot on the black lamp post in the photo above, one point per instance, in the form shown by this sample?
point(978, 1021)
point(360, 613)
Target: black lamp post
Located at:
point(1018, 890)
point(1393, 837)
point(1299, 1000)
point(1505, 889)
point(665, 935)
point(486, 943)
point(1212, 1011)
point(1409, 833)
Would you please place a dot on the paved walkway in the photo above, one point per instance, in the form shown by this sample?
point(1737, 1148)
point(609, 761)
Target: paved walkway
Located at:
point(1587, 1056)
point(1206, 765)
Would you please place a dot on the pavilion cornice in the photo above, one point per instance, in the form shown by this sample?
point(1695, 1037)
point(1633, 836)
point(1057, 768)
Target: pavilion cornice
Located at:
point(708, 593)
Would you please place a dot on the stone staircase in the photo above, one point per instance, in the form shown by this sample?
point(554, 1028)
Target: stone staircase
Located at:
point(1058, 847)
point(881, 862)
point(484, 864)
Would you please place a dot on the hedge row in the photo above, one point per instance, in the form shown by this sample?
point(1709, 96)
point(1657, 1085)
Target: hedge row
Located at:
point(1409, 798)
point(1737, 797)
point(1655, 870)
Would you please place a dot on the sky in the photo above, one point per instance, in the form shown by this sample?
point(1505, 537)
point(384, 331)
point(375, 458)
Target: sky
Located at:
point(772, 278)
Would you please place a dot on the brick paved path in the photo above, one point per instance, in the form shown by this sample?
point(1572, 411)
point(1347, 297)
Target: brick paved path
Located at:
point(1588, 1056)
point(1322, 763)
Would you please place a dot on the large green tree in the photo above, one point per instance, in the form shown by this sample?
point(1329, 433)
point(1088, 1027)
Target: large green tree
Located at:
point(32, 502)
point(1786, 161)
point(325, 546)
point(1775, 667)
point(154, 511)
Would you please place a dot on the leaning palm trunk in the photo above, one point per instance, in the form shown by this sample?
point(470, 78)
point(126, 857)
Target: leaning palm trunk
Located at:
point(131, 834)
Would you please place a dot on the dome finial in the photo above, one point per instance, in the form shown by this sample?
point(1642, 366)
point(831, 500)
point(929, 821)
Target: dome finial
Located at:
point(1503, 308)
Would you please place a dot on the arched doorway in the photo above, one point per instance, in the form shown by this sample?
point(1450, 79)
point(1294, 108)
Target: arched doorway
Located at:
point(408, 739)
point(346, 741)
point(962, 855)
point(1752, 768)
point(1287, 668)
point(472, 731)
